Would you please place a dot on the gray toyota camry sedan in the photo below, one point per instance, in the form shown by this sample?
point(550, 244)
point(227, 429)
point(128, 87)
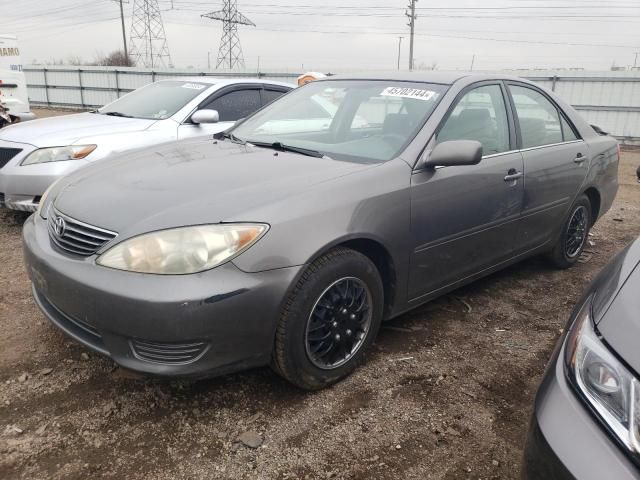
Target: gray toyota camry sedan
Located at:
point(288, 239)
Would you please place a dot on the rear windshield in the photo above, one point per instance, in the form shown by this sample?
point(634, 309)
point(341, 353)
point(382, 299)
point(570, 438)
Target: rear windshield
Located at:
point(155, 101)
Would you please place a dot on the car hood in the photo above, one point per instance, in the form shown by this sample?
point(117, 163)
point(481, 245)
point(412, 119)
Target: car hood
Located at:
point(617, 306)
point(67, 129)
point(189, 182)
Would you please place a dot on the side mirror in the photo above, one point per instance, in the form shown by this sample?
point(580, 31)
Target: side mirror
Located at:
point(205, 116)
point(455, 152)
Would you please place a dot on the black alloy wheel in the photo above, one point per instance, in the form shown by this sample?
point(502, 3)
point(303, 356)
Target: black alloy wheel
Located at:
point(576, 231)
point(329, 320)
point(573, 235)
point(338, 323)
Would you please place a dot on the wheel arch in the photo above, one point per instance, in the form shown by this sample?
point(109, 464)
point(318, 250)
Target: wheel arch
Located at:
point(381, 257)
point(595, 200)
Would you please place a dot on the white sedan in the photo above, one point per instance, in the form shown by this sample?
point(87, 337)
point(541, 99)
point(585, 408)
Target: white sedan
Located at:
point(35, 154)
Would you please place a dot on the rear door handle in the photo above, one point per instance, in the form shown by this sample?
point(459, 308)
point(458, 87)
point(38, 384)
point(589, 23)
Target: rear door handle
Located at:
point(512, 176)
point(579, 159)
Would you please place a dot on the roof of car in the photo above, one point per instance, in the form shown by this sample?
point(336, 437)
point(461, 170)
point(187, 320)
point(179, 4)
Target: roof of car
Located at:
point(431, 76)
point(227, 81)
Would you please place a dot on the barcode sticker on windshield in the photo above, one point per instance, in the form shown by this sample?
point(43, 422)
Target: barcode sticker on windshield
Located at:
point(194, 86)
point(403, 92)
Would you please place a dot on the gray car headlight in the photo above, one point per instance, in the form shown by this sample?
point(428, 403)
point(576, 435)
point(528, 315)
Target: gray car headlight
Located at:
point(58, 154)
point(603, 381)
point(183, 250)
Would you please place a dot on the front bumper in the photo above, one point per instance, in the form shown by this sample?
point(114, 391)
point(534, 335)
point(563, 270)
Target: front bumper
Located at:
point(23, 186)
point(565, 440)
point(24, 116)
point(204, 324)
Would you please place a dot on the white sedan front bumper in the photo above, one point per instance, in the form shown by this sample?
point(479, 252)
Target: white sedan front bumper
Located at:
point(22, 186)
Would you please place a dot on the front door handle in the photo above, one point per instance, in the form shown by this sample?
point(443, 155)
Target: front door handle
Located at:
point(579, 159)
point(512, 175)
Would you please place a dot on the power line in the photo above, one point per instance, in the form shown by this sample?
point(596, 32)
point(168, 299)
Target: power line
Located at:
point(47, 13)
point(470, 15)
point(491, 39)
point(597, 4)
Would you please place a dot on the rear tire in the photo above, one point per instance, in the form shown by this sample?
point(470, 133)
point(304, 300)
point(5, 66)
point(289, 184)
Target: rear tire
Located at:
point(329, 320)
point(574, 235)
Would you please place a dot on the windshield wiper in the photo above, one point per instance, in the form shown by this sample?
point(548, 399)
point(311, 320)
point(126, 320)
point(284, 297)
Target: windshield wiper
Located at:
point(118, 114)
point(229, 136)
point(288, 148)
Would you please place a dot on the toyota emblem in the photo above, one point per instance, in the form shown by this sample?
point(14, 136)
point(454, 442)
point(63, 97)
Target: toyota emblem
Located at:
point(59, 226)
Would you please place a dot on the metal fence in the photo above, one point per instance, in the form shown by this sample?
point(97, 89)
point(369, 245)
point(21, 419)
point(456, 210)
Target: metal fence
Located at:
point(610, 100)
point(90, 87)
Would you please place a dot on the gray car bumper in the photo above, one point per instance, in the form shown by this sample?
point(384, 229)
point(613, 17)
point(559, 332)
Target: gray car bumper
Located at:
point(566, 441)
point(203, 324)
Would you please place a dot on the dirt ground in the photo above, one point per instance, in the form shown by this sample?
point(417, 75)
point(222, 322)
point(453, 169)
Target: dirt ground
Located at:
point(446, 393)
point(51, 112)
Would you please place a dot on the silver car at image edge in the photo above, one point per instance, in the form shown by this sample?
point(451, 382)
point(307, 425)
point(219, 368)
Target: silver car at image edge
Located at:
point(288, 246)
point(35, 154)
point(586, 421)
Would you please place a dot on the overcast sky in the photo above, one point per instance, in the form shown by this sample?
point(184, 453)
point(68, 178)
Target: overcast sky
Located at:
point(354, 35)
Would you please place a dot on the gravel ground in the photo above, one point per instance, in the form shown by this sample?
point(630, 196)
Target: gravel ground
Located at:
point(446, 393)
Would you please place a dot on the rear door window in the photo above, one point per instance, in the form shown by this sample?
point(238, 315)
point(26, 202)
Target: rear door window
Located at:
point(538, 117)
point(568, 133)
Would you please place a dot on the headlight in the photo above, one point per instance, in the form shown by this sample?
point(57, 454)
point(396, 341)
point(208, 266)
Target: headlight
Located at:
point(58, 154)
point(604, 382)
point(182, 250)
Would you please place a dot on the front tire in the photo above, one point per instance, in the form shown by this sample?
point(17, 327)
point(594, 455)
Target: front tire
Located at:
point(574, 235)
point(329, 320)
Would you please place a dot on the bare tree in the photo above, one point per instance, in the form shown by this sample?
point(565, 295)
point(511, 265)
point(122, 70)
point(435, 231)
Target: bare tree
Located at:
point(74, 60)
point(117, 58)
point(424, 66)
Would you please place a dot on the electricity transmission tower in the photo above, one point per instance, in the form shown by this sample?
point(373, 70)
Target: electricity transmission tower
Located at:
point(230, 51)
point(148, 43)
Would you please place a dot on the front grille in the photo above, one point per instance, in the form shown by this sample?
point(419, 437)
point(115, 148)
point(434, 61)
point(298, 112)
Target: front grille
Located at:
point(7, 154)
point(74, 236)
point(168, 353)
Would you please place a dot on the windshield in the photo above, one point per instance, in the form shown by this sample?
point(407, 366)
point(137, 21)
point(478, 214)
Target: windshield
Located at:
point(155, 101)
point(349, 119)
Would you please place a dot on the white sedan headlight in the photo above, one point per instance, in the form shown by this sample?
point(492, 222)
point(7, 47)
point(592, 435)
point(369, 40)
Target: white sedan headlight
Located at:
point(182, 250)
point(603, 381)
point(58, 154)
